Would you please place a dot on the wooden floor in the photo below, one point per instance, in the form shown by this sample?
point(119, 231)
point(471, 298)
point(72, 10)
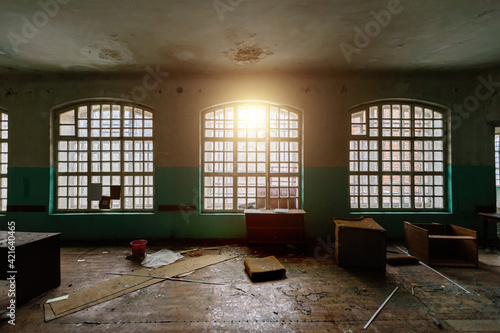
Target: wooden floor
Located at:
point(316, 296)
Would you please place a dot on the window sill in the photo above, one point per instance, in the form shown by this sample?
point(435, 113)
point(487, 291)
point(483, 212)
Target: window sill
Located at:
point(102, 213)
point(399, 213)
point(222, 214)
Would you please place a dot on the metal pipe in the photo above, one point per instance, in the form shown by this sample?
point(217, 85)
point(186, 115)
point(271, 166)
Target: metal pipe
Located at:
point(167, 278)
point(379, 309)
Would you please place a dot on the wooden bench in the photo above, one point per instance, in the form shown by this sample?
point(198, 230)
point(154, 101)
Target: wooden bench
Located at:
point(442, 245)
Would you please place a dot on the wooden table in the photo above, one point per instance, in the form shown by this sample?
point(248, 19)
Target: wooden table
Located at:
point(268, 226)
point(488, 217)
point(37, 264)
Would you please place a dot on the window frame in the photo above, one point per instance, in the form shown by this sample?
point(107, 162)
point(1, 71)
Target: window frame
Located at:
point(268, 174)
point(4, 171)
point(496, 141)
point(147, 175)
point(446, 156)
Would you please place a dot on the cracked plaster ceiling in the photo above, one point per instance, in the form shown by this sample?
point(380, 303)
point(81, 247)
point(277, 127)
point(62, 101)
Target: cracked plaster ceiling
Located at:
point(244, 36)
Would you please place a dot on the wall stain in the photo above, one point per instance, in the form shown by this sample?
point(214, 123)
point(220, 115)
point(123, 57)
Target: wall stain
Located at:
point(10, 92)
point(248, 54)
point(108, 52)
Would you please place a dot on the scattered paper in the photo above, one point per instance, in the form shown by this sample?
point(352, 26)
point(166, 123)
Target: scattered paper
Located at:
point(253, 211)
point(160, 258)
point(280, 210)
point(81, 260)
point(57, 299)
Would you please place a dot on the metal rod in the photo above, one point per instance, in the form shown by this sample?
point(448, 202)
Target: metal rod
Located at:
point(167, 278)
point(379, 309)
point(432, 269)
point(205, 248)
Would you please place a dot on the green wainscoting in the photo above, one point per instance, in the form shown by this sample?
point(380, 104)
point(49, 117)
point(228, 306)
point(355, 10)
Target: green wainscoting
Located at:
point(325, 197)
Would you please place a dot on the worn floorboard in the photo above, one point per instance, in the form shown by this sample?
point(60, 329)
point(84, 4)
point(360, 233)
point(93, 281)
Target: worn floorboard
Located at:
point(316, 296)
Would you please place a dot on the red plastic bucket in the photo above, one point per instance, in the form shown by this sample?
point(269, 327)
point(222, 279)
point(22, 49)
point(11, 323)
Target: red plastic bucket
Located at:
point(138, 248)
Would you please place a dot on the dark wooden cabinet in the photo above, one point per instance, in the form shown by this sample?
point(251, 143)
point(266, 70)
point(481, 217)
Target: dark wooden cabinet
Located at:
point(360, 243)
point(37, 263)
point(267, 226)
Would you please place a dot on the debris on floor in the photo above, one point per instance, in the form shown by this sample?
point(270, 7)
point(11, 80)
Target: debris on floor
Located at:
point(401, 259)
point(474, 325)
point(57, 299)
point(167, 278)
point(265, 269)
point(184, 274)
point(160, 258)
point(122, 285)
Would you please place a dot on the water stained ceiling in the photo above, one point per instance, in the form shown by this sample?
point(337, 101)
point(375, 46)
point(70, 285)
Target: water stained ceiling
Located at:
point(243, 36)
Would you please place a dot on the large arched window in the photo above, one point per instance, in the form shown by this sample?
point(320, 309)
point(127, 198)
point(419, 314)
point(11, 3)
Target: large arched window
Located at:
point(104, 156)
point(251, 157)
point(398, 157)
point(4, 158)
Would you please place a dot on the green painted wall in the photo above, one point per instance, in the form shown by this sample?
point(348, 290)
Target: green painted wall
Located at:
point(325, 100)
point(325, 197)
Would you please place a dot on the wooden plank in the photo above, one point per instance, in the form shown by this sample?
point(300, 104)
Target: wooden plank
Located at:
point(474, 325)
point(365, 223)
point(451, 237)
point(417, 241)
point(461, 231)
point(122, 285)
point(492, 216)
point(432, 228)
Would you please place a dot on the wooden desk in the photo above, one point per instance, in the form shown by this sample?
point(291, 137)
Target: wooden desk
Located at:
point(488, 217)
point(267, 226)
point(37, 263)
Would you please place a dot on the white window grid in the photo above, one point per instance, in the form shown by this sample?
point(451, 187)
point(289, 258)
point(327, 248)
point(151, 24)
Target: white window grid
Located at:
point(497, 160)
point(398, 158)
point(4, 158)
point(104, 157)
point(251, 157)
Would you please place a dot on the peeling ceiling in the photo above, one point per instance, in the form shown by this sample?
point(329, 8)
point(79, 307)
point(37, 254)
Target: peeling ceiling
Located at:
point(213, 36)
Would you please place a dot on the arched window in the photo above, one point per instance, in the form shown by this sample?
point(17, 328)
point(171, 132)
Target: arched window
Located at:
point(398, 157)
point(4, 158)
point(104, 156)
point(251, 157)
